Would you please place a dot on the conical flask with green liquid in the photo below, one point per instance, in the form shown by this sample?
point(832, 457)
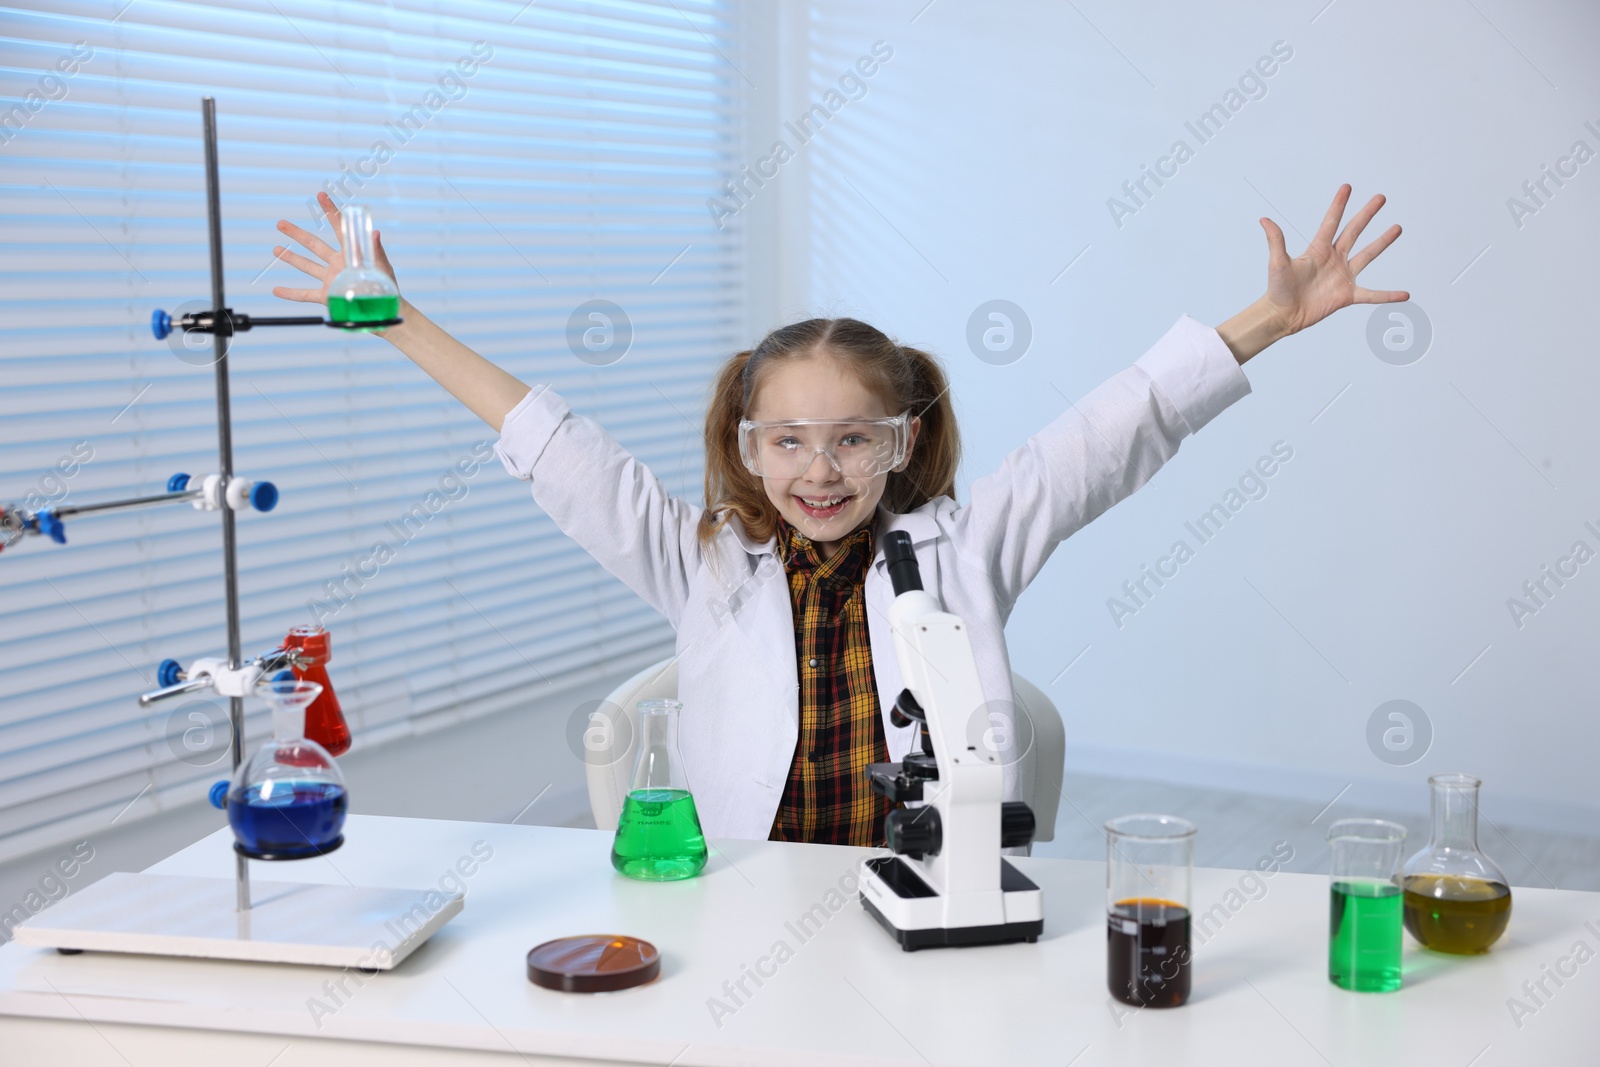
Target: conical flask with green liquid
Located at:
point(658, 836)
point(361, 292)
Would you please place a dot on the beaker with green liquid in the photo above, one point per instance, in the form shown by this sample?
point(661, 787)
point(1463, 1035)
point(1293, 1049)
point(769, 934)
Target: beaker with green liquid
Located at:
point(658, 836)
point(361, 292)
point(1364, 906)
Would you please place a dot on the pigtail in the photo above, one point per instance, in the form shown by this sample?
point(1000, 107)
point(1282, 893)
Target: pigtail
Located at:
point(722, 450)
point(931, 472)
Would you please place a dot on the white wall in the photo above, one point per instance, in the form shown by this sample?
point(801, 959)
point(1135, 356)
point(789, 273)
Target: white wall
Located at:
point(1379, 564)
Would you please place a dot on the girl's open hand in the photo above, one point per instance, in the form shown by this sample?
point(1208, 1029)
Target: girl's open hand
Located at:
point(322, 272)
point(1322, 279)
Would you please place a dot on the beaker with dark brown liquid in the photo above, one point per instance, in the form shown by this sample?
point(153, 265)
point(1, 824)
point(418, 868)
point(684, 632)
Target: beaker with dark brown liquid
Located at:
point(1456, 899)
point(1149, 864)
point(1147, 952)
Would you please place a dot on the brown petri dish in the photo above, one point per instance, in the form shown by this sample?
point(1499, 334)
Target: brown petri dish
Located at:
point(593, 963)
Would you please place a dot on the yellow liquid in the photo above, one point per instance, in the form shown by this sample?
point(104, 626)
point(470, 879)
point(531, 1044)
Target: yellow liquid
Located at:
point(1463, 916)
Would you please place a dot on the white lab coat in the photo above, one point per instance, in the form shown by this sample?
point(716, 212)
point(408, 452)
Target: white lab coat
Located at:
point(737, 669)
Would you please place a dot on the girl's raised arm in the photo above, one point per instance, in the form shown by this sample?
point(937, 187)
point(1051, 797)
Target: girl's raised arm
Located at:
point(1098, 451)
point(594, 490)
point(486, 390)
point(1112, 441)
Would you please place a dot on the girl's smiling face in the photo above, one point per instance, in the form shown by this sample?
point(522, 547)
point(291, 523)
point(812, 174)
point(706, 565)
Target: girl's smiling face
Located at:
point(824, 503)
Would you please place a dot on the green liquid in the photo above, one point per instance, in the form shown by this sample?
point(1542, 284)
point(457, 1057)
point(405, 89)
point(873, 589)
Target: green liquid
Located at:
point(363, 309)
point(658, 837)
point(1364, 936)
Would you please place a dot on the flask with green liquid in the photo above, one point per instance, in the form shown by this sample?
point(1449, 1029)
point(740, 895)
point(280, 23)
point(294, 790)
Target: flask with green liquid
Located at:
point(658, 836)
point(361, 292)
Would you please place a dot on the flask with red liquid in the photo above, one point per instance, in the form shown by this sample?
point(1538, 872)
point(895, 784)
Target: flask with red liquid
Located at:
point(324, 718)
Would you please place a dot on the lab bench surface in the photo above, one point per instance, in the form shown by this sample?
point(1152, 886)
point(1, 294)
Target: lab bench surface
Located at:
point(767, 958)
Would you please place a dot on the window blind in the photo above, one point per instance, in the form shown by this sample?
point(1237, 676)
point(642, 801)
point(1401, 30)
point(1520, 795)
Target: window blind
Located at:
point(520, 161)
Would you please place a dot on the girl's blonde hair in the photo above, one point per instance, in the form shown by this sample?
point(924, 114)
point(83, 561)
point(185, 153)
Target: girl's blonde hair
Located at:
point(905, 378)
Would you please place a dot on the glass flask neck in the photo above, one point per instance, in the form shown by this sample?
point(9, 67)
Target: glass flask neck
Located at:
point(653, 727)
point(288, 698)
point(356, 237)
point(311, 642)
point(1455, 810)
point(658, 765)
point(288, 722)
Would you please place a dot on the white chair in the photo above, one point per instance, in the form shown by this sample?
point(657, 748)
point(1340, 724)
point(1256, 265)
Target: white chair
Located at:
point(617, 718)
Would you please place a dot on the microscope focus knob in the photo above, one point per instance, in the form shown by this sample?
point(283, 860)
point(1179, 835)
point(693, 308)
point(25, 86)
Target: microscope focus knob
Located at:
point(914, 832)
point(1016, 824)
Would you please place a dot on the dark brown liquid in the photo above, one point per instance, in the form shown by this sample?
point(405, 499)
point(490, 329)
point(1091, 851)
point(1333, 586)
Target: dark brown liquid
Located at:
point(1147, 952)
point(1460, 915)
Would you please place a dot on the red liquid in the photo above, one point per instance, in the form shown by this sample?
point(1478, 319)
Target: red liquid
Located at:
point(324, 718)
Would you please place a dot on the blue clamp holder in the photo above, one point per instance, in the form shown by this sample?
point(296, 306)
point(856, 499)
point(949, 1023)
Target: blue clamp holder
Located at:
point(262, 496)
point(50, 526)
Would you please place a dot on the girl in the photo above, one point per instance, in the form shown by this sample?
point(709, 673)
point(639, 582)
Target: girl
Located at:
point(819, 441)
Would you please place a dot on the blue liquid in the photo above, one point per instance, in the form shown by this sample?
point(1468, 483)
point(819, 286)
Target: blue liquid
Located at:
point(295, 820)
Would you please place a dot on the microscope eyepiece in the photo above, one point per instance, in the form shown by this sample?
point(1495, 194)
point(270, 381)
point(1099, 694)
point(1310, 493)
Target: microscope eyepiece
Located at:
point(903, 570)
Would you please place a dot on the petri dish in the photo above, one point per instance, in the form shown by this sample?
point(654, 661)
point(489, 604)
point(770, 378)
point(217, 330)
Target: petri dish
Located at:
point(593, 963)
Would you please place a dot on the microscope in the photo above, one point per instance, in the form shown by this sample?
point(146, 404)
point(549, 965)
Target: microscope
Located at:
point(946, 883)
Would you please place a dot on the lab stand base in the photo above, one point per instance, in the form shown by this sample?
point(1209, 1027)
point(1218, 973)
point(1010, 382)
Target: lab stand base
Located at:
point(909, 909)
point(176, 915)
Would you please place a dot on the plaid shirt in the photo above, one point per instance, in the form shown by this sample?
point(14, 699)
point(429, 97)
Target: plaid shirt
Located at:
point(827, 797)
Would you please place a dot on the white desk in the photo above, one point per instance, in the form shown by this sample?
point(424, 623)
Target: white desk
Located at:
point(848, 994)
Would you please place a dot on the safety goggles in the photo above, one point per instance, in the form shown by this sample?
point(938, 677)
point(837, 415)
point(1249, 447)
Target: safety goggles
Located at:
point(857, 448)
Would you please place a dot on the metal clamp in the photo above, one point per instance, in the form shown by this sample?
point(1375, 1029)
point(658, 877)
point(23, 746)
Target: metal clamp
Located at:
point(227, 322)
point(240, 494)
point(209, 672)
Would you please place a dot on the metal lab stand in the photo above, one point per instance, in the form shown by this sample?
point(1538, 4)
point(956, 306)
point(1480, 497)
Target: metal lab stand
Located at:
point(341, 926)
